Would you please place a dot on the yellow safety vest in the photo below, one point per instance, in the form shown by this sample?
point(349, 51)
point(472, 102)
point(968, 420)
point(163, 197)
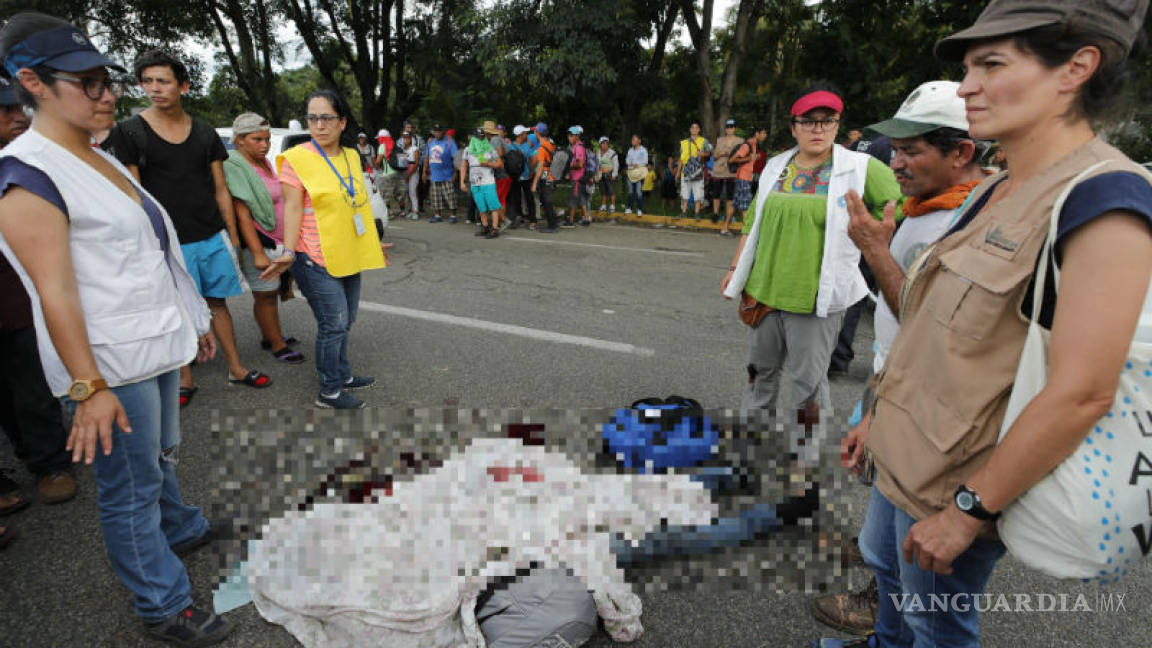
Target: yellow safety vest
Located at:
point(345, 253)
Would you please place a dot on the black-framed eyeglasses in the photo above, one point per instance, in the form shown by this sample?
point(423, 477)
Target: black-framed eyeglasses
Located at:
point(327, 120)
point(811, 124)
point(93, 87)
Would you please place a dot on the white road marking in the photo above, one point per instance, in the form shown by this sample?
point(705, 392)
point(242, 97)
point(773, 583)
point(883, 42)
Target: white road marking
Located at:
point(509, 329)
point(609, 247)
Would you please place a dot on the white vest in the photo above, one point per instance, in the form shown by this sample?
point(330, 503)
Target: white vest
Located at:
point(141, 309)
point(841, 283)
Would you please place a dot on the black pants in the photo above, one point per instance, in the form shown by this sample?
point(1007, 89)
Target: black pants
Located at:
point(545, 188)
point(521, 202)
point(30, 414)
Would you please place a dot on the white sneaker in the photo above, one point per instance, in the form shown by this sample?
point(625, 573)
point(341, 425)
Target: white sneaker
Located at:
point(628, 210)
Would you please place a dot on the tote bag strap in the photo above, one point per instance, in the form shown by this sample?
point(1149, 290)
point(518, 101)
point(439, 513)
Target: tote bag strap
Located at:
point(1053, 228)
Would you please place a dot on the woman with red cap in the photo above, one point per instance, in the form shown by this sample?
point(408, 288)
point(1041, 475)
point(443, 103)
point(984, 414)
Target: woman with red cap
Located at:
point(795, 264)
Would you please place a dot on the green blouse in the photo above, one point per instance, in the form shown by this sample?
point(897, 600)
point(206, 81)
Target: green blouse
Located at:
point(786, 271)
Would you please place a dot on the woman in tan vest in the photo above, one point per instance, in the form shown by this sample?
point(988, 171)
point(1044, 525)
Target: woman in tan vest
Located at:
point(1038, 74)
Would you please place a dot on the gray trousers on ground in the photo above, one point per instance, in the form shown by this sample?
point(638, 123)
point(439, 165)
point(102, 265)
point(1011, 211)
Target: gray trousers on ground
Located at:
point(801, 346)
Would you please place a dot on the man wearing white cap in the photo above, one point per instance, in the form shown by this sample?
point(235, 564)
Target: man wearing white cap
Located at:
point(521, 199)
point(937, 164)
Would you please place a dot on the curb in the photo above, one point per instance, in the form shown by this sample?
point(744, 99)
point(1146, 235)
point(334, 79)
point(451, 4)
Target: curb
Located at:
point(651, 220)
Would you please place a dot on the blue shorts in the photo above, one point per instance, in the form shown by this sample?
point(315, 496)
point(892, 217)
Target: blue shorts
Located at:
point(213, 267)
point(486, 198)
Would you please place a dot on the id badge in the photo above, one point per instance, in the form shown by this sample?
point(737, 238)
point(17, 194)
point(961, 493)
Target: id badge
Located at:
point(359, 221)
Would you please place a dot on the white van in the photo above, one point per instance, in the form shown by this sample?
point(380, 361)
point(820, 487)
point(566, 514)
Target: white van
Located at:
point(284, 139)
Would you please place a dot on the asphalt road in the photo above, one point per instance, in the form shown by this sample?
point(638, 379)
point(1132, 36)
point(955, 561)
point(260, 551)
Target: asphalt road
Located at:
point(587, 318)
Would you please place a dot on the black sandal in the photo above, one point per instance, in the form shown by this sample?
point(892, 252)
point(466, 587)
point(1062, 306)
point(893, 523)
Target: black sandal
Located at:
point(288, 355)
point(186, 394)
point(252, 379)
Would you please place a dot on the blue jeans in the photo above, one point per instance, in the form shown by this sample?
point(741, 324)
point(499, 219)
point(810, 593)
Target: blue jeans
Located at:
point(334, 302)
point(880, 542)
point(636, 196)
point(142, 514)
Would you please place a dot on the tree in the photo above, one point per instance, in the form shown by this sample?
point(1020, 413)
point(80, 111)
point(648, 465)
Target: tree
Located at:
point(252, 56)
point(715, 110)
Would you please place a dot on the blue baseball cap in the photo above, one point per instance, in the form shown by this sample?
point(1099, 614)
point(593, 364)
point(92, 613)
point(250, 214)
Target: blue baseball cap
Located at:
point(541, 127)
point(575, 130)
point(61, 47)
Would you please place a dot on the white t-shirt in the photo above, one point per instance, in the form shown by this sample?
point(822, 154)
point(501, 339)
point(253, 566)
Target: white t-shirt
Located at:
point(479, 175)
point(910, 240)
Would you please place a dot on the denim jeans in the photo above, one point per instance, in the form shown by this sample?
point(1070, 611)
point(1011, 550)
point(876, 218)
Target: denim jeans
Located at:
point(881, 543)
point(636, 196)
point(142, 514)
point(334, 302)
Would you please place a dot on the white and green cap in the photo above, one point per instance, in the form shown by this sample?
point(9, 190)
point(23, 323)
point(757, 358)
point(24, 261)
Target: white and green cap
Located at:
point(931, 106)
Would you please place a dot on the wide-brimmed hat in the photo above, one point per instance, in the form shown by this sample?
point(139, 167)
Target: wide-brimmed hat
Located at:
point(1118, 20)
point(932, 106)
point(489, 127)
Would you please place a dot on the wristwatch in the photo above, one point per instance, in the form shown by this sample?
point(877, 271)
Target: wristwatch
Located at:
point(82, 390)
point(969, 502)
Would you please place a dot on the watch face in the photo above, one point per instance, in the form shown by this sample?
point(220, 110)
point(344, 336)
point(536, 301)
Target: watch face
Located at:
point(964, 501)
point(78, 391)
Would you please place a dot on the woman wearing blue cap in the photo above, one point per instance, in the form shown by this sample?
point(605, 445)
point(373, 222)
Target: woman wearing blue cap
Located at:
point(116, 314)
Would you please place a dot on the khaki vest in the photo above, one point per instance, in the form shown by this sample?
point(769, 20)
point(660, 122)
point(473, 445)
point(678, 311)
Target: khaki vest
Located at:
point(941, 398)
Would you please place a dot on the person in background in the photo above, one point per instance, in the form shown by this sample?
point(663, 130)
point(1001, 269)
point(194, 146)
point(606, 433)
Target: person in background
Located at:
point(523, 200)
point(329, 241)
point(697, 149)
point(480, 162)
point(393, 187)
point(439, 170)
point(115, 311)
point(578, 199)
point(1038, 76)
point(29, 413)
point(724, 174)
point(411, 166)
point(365, 148)
point(649, 181)
point(543, 184)
point(668, 183)
point(180, 160)
point(743, 158)
point(499, 144)
point(608, 175)
point(853, 136)
point(638, 171)
point(258, 202)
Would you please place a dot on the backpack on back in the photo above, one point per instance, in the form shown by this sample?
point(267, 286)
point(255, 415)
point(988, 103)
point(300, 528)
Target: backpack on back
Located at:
point(591, 166)
point(560, 161)
point(544, 155)
point(514, 162)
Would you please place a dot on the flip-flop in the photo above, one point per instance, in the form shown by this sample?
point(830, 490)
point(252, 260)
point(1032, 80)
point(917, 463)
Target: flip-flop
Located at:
point(252, 379)
point(186, 394)
point(18, 505)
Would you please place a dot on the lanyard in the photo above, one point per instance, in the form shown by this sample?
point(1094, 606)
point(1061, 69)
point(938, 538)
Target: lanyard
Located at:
point(350, 187)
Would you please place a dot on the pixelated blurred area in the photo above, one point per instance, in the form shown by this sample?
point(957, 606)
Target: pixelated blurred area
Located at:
point(273, 462)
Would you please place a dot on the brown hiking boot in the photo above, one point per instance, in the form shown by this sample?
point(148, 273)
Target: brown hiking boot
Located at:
point(854, 613)
point(56, 487)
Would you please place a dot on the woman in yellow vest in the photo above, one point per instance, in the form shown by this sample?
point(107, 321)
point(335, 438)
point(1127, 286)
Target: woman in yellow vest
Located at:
point(330, 237)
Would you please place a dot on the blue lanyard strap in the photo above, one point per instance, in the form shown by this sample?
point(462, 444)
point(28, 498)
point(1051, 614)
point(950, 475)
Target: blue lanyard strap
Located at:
point(350, 186)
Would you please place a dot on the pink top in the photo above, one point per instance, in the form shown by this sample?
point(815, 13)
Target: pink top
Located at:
point(266, 174)
point(309, 242)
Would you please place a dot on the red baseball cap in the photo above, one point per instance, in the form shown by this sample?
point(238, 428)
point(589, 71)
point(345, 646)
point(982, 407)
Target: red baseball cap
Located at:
point(818, 99)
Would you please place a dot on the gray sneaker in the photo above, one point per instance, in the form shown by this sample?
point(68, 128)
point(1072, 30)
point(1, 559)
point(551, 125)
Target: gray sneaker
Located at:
point(343, 400)
point(191, 627)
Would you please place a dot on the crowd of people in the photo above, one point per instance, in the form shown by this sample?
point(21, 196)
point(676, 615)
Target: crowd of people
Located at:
point(109, 302)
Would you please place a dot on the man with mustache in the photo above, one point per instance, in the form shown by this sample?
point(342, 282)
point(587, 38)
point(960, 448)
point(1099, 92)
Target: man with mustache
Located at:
point(937, 164)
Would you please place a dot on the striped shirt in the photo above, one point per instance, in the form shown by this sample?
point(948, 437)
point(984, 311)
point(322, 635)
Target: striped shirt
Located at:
point(309, 241)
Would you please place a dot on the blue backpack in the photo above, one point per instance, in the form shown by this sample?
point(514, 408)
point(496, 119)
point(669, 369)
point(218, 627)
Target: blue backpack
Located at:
point(591, 166)
point(656, 434)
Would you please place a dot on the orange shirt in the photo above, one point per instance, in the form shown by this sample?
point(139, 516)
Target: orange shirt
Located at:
point(309, 241)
